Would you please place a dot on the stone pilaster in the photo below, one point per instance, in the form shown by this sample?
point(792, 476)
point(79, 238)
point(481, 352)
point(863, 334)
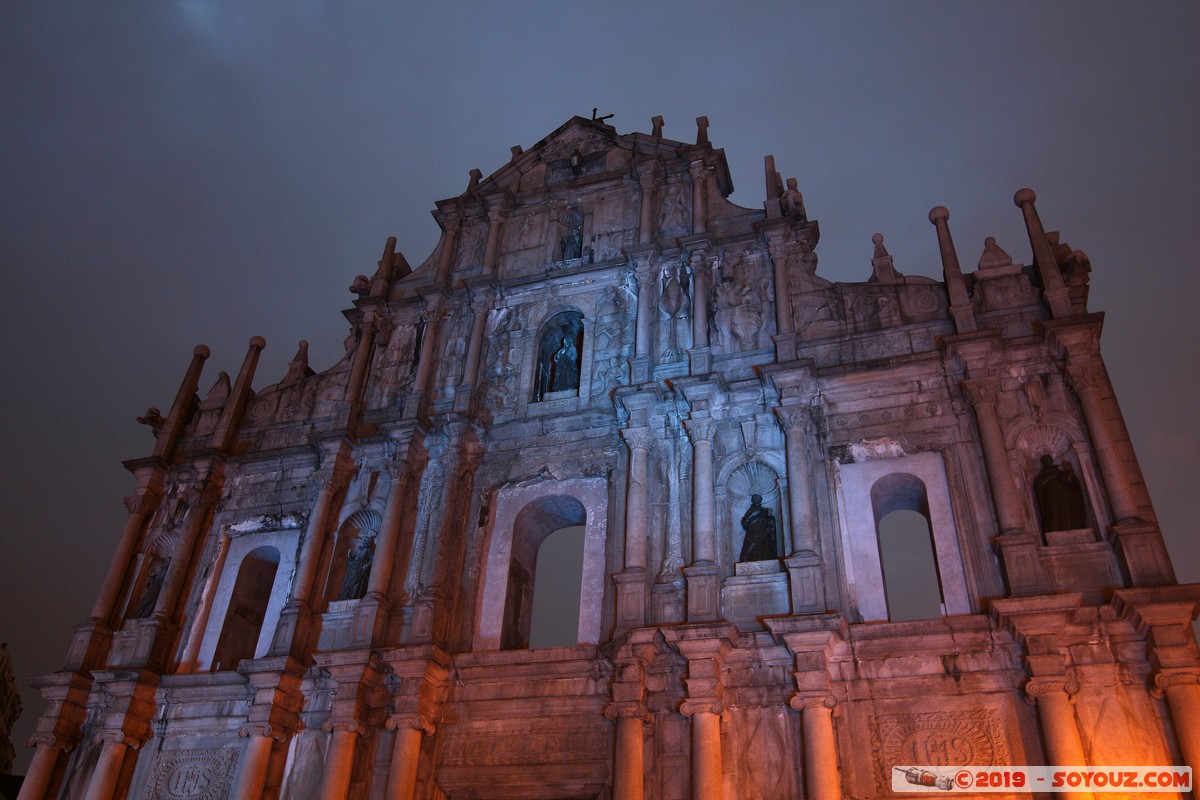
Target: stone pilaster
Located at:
point(631, 583)
point(495, 215)
point(650, 174)
point(422, 382)
point(481, 304)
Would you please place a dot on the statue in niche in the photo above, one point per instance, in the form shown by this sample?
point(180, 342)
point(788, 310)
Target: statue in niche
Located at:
point(1059, 497)
point(154, 584)
point(759, 525)
point(565, 373)
point(358, 569)
point(571, 245)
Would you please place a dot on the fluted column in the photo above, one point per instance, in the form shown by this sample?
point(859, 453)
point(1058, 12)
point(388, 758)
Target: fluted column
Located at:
point(480, 304)
point(1053, 697)
point(293, 618)
point(637, 506)
point(253, 775)
point(699, 173)
point(406, 754)
point(822, 781)
point(707, 768)
point(982, 394)
point(201, 498)
point(1086, 379)
point(335, 783)
point(1182, 690)
point(41, 767)
point(108, 768)
point(704, 539)
point(795, 421)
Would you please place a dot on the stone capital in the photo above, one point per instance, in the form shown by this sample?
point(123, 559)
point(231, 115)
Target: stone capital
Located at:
point(417, 722)
point(700, 429)
point(794, 419)
point(615, 711)
point(1086, 376)
point(1047, 686)
point(800, 702)
point(650, 174)
point(981, 391)
point(64, 743)
point(1182, 676)
point(143, 502)
point(638, 438)
point(264, 731)
point(345, 726)
point(691, 707)
point(120, 737)
point(697, 169)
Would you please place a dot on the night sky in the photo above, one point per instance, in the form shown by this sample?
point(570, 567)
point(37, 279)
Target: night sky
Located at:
point(184, 172)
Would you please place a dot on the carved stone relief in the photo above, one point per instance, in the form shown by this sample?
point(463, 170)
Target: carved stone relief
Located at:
point(194, 774)
point(939, 738)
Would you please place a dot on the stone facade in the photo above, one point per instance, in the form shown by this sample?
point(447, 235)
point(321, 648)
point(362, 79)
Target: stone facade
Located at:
point(324, 586)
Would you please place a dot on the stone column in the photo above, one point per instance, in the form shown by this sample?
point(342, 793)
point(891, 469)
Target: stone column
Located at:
point(293, 618)
point(707, 769)
point(631, 582)
point(495, 219)
point(339, 759)
point(108, 767)
point(1087, 379)
point(704, 541)
point(406, 754)
point(982, 394)
point(201, 498)
point(191, 650)
point(1053, 697)
point(629, 773)
point(805, 580)
point(479, 307)
point(141, 504)
point(41, 767)
point(700, 305)
point(389, 532)
point(359, 366)
point(699, 173)
point(1182, 690)
point(822, 781)
point(253, 775)
point(420, 385)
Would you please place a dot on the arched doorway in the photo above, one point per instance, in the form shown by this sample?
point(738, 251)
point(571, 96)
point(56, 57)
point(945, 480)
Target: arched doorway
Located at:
point(533, 526)
point(243, 624)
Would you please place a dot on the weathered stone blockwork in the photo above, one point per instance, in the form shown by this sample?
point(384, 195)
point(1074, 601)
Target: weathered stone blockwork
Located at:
point(324, 589)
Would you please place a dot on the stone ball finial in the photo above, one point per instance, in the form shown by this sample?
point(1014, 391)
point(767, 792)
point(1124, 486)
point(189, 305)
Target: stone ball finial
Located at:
point(877, 238)
point(202, 351)
point(939, 213)
point(989, 241)
point(1024, 196)
point(258, 341)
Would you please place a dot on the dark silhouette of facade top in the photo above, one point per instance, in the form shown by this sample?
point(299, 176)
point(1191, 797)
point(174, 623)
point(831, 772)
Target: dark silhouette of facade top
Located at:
point(326, 585)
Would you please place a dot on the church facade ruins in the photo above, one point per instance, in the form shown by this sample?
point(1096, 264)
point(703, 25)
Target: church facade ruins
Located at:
point(325, 587)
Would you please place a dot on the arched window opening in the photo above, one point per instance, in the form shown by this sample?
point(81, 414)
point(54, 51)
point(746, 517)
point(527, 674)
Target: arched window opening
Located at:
point(910, 577)
point(907, 554)
point(533, 525)
point(247, 607)
point(350, 567)
point(554, 620)
point(560, 350)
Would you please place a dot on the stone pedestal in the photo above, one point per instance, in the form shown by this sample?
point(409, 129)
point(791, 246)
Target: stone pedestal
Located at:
point(631, 598)
point(1143, 555)
point(805, 583)
point(703, 592)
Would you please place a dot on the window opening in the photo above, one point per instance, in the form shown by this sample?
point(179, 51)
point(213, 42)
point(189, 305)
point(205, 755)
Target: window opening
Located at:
point(907, 555)
point(554, 620)
point(247, 608)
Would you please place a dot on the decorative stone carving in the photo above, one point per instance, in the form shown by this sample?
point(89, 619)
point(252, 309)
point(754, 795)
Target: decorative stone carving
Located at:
point(194, 774)
point(939, 738)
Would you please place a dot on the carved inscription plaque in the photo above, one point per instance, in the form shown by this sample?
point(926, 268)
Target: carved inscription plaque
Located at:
point(194, 774)
point(939, 738)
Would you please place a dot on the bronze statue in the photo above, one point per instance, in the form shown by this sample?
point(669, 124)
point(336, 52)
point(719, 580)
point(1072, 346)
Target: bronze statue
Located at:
point(154, 584)
point(566, 367)
point(1059, 497)
point(759, 525)
point(358, 570)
